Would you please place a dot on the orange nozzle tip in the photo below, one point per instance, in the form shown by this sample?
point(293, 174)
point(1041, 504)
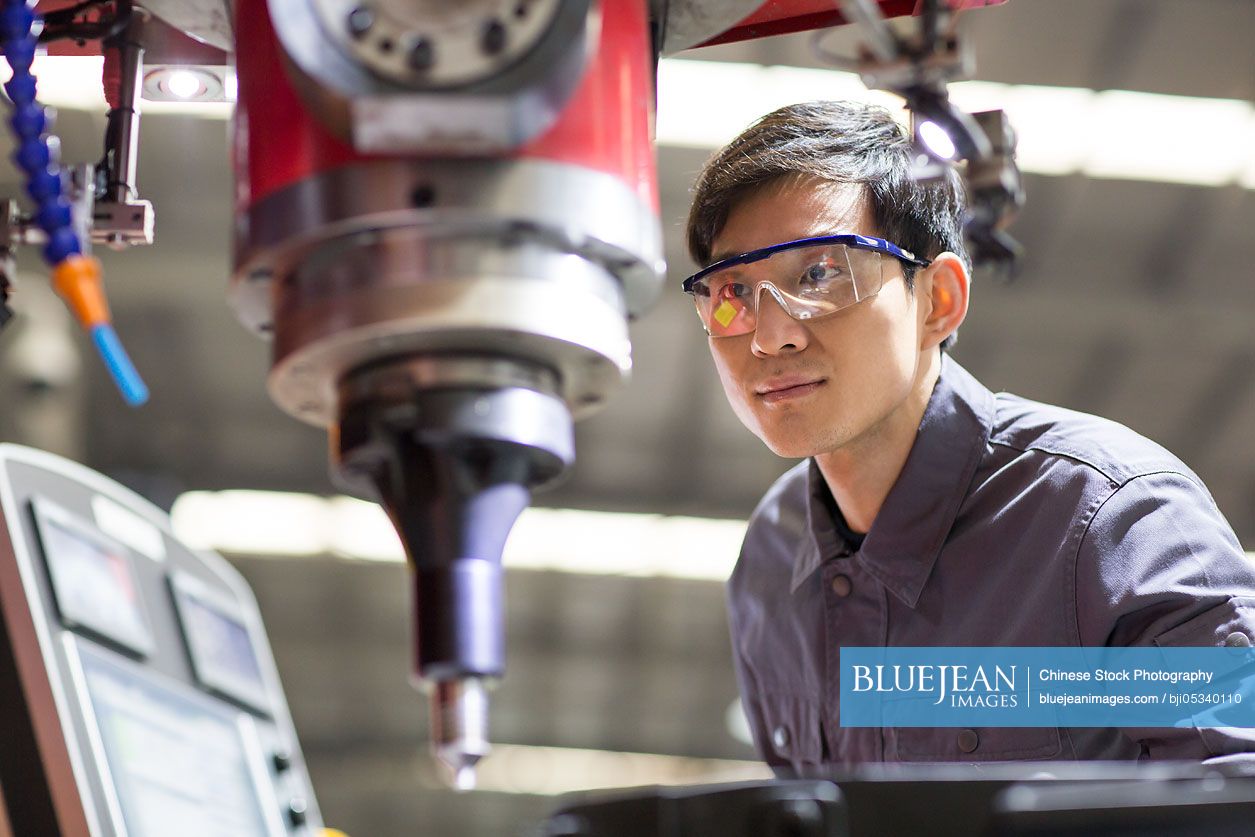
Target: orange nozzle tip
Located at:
point(77, 281)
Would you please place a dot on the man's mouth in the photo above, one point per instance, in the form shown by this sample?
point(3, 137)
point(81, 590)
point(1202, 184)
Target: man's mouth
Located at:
point(787, 388)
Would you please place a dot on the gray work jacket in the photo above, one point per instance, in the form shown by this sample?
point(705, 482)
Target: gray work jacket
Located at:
point(1012, 523)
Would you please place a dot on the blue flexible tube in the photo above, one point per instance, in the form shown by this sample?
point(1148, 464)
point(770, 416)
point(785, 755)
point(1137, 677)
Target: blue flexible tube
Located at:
point(37, 157)
point(130, 384)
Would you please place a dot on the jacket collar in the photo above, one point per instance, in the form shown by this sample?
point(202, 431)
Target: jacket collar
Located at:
point(919, 511)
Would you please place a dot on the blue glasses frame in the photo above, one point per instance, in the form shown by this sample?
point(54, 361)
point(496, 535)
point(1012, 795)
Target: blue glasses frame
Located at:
point(863, 242)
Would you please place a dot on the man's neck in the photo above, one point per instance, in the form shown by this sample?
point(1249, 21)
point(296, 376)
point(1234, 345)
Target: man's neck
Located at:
point(861, 473)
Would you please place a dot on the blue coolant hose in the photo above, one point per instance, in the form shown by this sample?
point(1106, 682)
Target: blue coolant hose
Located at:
point(76, 276)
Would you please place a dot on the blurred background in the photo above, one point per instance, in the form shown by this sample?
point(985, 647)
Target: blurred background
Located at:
point(1136, 302)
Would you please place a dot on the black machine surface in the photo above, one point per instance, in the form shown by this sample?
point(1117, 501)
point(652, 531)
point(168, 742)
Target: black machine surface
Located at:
point(137, 687)
point(1012, 799)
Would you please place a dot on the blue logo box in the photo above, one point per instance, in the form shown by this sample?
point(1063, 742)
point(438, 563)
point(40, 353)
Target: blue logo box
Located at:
point(1047, 687)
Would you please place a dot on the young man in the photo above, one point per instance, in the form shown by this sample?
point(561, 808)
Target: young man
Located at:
point(929, 510)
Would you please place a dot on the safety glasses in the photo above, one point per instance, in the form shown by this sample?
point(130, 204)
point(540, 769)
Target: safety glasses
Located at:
point(809, 278)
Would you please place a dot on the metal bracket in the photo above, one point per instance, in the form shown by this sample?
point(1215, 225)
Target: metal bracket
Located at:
point(918, 70)
point(10, 238)
point(122, 225)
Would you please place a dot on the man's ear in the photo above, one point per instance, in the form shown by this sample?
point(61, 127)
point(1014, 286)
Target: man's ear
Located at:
point(944, 283)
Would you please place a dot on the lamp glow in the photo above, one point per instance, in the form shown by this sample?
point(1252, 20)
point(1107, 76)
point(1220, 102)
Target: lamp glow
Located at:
point(936, 140)
point(183, 84)
point(564, 540)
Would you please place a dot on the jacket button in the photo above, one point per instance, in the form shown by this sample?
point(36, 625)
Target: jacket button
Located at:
point(968, 739)
point(780, 738)
point(1237, 639)
point(841, 585)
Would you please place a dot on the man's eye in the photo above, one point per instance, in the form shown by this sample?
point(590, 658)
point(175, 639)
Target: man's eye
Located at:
point(820, 274)
point(732, 290)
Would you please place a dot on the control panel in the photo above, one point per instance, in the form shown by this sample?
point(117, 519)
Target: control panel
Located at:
point(139, 694)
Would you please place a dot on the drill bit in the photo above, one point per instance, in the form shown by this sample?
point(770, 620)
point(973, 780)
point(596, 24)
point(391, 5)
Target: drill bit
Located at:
point(459, 716)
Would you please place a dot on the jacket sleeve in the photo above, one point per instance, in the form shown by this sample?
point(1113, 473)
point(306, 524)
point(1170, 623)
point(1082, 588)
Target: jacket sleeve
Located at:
point(752, 706)
point(1159, 565)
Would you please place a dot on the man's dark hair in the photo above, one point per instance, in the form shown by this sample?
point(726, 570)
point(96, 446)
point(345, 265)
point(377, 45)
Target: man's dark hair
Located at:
point(841, 142)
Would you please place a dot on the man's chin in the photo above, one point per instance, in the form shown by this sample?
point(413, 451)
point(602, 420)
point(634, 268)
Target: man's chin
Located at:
point(799, 440)
point(791, 446)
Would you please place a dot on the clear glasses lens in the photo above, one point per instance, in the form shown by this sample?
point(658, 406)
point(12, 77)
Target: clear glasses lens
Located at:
point(809, 282)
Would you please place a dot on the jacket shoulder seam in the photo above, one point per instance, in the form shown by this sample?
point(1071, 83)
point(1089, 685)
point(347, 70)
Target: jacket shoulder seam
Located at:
point(1110, 474)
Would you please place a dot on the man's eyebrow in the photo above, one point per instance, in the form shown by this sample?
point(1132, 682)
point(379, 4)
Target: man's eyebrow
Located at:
point(728, 254)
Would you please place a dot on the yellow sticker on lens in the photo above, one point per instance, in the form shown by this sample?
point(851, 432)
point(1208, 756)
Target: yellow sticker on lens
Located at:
point(726, 313)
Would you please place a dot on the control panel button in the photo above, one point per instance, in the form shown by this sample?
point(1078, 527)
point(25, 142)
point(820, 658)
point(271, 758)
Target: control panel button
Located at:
point(282, 761)
point(297, 812)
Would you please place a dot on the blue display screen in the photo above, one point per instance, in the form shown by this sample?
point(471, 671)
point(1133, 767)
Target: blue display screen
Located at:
point(93, 582)
point(222, 649)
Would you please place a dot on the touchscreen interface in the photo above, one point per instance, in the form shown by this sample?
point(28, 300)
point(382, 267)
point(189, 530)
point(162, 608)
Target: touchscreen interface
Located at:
point(221, 646)
point(179, 765)
point(93, 580)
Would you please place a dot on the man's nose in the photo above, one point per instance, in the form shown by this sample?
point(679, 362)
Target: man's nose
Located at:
point(775, 332)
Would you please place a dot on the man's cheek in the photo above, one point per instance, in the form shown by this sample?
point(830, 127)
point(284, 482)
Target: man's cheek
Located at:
point(731, 374)
point(732, 388)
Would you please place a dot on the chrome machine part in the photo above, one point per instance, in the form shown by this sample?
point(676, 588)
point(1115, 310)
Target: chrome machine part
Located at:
point(918, 69)
point(447, 305)
point(997, 193)
point(432, 77)
point(451, 447)
point(207, 21)
point(10, 237)
point(122, 132)
point(114, 225)
point(527, 259)
point(399, 293)
point(117, 217)
point(459, 723)
point(686, 23)
point(437, 44)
